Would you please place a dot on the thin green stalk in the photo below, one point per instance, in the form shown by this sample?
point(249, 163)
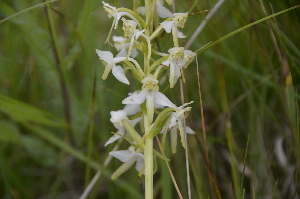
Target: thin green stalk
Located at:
point(62, 82)
point(148, 161)
point(26, 10)
point(228, 131)
point(90, 133)
point(201, 50)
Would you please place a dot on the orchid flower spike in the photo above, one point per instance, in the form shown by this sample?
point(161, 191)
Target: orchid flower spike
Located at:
point(154, 98)
point(110, 64)
point(161, 11)
point(129, 157)
point(116, 119)
point(122, 45)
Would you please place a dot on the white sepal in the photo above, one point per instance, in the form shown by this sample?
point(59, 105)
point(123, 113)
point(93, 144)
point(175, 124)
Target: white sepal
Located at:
point(162, 11)
point(136, 98)
point(118, 72)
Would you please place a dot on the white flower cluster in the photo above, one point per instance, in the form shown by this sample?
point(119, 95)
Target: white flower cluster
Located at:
point(143, 104)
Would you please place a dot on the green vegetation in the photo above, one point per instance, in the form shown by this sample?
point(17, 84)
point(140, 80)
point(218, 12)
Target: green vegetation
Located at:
point(55, 108)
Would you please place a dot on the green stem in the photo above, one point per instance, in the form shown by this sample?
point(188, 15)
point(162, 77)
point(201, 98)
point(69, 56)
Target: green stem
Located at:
point(148, 152)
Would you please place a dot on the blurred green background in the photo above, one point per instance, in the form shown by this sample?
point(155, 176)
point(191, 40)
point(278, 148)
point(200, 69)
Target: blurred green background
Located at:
point(52, 135)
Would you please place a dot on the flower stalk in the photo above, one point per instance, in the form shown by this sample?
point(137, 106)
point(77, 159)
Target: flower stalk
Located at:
point(142, 105)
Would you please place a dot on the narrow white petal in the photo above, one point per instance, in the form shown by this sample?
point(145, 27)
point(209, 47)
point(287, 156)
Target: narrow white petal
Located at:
point(123, 155)
point(172, 121)
point(139, 33)
point(122, 53)
point(115, 137)
point(136, 98)
point(119, 39)
point(140, 162)
point(167, 25)
point(135, 121)
point(134, 53)
point(119, 59)
point(141, 10)
point(189, 130)
point(161, 99)
point(166, 63)
point(118, 72)
point(180, 34)
point(162, 11)
point(164, 129)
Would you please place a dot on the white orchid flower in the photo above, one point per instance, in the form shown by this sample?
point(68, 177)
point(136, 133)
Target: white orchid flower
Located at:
point(116, 14)
point(130, 30)
point(129, 157)
point(122, 45)
point(175, 61)
point(110, 64)
point(116, 119)
point(178, 59)
point(161, 11)
point(177, 122)
point(150, 93)
point(178, 20)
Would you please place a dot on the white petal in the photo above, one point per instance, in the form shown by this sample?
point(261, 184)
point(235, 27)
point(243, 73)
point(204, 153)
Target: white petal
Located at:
point(136, 98)
point(188, 52)
point(158, 106)
point(122, 53)
point(140, 162)
point(118, 72)
point(134, 53)
point(172, 121)
point(118, 17)
point(180, 34)
point(162, 11)
point(118, 116)
point(132, 109)
point(141, 10)
point(119, 39)
point(123, 155)
point(164, 129)
point(189, 130)
point(115, 137)
point(167, 25)
point(119, 59)
point(166, 63)
point(138, 33)
point(161, 99)
point(105, 56)
point(135, 121)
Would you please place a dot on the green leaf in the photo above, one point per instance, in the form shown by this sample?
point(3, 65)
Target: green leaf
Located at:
point(40, 151)
point(9, 133)
point(160, 122)
point(21, 112)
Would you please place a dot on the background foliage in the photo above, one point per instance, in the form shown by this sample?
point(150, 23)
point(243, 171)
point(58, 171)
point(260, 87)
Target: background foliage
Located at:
point(52, 129)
